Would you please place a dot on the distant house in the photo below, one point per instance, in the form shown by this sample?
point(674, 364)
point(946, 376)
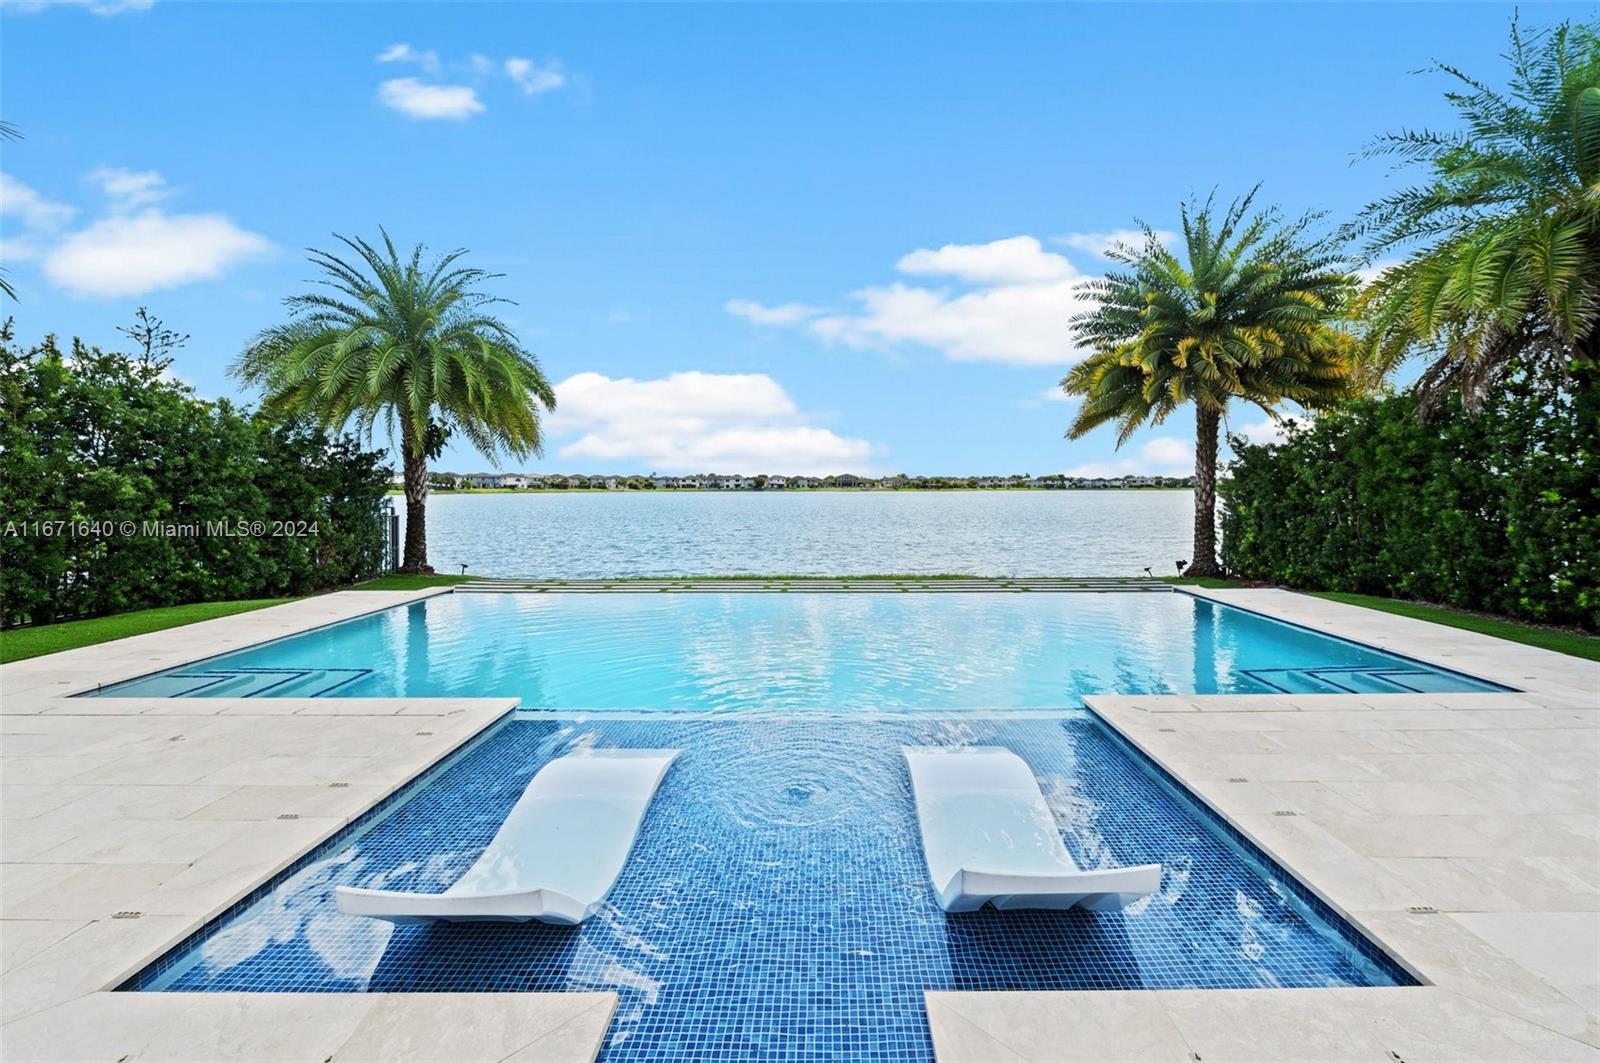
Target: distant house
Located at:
point(737, 483)
point(482, 479)
point(848, 480)
point(989, 481)
point(613, 483)
point(577, 481)
point(777, 483)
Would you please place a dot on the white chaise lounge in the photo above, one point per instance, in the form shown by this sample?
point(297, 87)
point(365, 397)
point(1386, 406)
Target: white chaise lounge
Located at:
point(989, 838)
point(556, 855)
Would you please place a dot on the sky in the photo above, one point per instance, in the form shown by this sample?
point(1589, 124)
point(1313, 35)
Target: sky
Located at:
point(815, 238)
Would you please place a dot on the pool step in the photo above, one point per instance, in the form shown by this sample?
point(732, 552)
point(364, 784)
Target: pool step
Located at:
point(841, 585)
point(243, 682)
point(1387, 679)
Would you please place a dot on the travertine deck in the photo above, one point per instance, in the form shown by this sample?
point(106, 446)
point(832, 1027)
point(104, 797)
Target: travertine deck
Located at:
point(1484, 807)
point(126, 823)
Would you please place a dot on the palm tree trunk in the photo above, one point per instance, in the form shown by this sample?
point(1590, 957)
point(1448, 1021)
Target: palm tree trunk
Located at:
point(415, 465)
point(1206, 420)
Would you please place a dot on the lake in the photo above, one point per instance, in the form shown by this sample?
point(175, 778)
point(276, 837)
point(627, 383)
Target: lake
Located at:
point(583, 534)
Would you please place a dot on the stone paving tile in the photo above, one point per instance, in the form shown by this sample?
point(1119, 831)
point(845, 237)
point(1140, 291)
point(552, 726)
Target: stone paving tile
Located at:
point(126, 823)
point(1483, 806)
point(1479, 805)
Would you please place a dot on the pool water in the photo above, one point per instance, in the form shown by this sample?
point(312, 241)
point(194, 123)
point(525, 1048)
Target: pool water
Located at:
point(776, 904)
point(720, 652)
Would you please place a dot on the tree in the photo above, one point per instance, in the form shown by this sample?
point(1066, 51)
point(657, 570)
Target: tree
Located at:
point(155, 341)
point(1247, 313)
point(1504, 229)
point(410, 342)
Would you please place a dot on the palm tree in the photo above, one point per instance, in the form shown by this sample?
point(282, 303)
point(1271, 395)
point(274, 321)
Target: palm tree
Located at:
point(1504, 230)
point(409, 342)
point(1249, 312)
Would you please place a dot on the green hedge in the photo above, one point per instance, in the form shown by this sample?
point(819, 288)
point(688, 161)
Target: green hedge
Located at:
point(113, 442)
point(1498, 512)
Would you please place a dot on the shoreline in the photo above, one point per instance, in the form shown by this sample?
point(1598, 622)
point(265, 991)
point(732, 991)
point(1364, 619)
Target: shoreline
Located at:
point(397, 492)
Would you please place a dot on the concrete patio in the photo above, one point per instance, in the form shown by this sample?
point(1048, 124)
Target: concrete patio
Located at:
point(1460, 831)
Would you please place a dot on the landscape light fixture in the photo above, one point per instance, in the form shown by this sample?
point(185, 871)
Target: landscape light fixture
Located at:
point(463, 568)
point(1148, 573)
point(1180, 565)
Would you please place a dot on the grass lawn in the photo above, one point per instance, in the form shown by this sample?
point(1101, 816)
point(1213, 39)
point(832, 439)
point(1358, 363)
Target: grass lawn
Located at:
point(1561, 640)
point(397, 581)
point(20, 643)
point(1573, 643)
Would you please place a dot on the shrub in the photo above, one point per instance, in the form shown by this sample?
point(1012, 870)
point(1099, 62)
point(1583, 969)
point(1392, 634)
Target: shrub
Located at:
point(104, 438)
point(1498, 512)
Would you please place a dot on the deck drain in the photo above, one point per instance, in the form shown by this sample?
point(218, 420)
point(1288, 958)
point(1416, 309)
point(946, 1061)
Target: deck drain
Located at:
point(176, 738)
point(1423, 909)
point(1284, 812)
point(126, 915)
point(1237, 778)
point(424, 733)
point(288, 815)
point(1169, 730)
point(338, 785)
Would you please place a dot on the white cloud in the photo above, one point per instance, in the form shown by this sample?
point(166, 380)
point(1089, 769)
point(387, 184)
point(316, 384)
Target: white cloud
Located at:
point(1019, 324)
point(432, 100)
point(1160, 456)
point(1265, 430)
point(412, 97)
point(787, 314)
point(32, 210)
point(129, 189)
point(404, 53)
point(132, 254)
point(1055, 394)
point(97, 7)
point(698, 422)
point(533, 78)
point(1098, 243)
point(1016, 260)
point(1016, 307)
point(128, 250)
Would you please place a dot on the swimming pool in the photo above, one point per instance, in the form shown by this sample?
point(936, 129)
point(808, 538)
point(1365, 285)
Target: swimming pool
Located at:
point(722, 652)
point(776, 903)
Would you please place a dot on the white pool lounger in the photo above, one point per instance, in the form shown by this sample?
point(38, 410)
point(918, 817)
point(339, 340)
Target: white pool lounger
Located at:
point(556, 855)
point(989, 838)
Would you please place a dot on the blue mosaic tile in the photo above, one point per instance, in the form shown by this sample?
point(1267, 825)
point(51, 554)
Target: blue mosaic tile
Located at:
point(776, 904)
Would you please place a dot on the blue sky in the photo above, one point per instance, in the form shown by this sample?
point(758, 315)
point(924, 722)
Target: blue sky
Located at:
point(753, 238)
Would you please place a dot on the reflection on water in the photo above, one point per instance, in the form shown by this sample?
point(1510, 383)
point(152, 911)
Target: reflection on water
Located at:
point(777, 895)
point(800, 651)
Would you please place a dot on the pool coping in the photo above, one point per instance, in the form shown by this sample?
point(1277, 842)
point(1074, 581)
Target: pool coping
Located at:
point(1508, 977)
point(1491, 991)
